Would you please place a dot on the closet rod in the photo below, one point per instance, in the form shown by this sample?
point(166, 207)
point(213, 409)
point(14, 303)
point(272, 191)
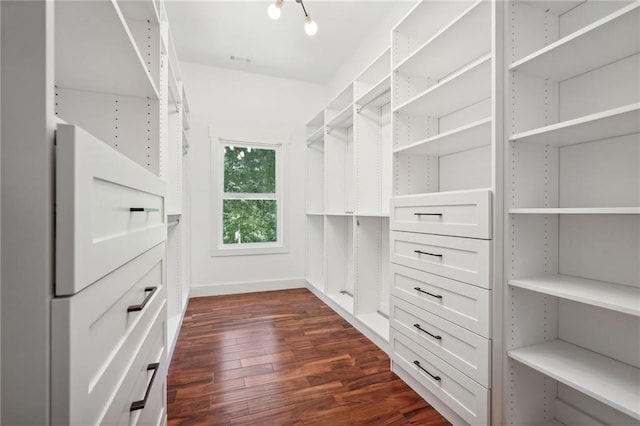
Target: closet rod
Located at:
point(173, 223)
point(372, 100)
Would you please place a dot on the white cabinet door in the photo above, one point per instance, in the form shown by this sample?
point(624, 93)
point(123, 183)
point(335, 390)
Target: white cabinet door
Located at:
point(108, 209)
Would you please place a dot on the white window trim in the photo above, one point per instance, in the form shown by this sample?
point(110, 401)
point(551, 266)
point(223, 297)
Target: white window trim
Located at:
point(217, 162)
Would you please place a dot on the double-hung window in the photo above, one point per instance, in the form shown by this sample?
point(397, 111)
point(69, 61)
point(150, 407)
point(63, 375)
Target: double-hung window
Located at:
point(250, 213)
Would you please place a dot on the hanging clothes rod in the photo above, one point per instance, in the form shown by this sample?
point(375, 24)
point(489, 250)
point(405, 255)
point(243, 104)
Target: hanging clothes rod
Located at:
point(372, 100)
point(173, 223)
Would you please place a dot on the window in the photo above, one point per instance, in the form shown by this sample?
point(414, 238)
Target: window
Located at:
point(250, 212)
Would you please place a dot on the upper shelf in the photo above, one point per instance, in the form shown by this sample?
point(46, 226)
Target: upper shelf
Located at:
point(343, 118)
point(316, 136)
point(611, 296)
point(576, 210)
point(607, 40)
point(467, 86)
point(174, 89)
point(378, 95)
point(470, 33)
point(142, 10)
point(620, 121)
point(611, 382)
point(95, 51)
point(473, 135)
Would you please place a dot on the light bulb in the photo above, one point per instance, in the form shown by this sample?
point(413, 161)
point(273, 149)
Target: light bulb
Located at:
point(310, 26)
point(274, 9)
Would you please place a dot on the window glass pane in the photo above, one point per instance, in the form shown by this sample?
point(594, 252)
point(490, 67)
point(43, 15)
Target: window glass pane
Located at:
point(249, 221)
point(249, 170)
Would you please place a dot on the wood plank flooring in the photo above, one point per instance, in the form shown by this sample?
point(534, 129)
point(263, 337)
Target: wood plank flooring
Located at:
point(283, 358)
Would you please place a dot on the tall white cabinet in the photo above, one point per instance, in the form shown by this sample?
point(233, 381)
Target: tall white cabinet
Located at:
point(88, 297)
point(572, 238)
point(348, 190)
point(445, 215)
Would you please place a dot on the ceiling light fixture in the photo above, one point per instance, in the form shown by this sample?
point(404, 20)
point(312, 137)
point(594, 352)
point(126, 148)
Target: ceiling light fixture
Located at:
point(310, 26)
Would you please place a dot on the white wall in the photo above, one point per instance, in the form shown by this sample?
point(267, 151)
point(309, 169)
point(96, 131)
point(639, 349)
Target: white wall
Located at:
point(245, 106)
point(370, 49)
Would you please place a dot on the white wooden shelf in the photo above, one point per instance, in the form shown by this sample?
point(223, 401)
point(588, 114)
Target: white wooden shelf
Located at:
point(314, 214)
point(608, 381)
point(376, 323)
point(473, 135)
point(466, 87)
point(316, 136)
point(342, 119)
point(140, 11)
point(378, 95)
point(95, 51)
point(371, 214)
point(174, 91)
point(606, 40)
point(576, 210)
point(606, 295)
point(472, 27)
point(615, 122)
point(185, 122)
point(338, 214)
point(343, 300)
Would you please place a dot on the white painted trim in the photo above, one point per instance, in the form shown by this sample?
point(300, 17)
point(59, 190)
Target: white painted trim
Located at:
point(172, 345)
point(246, 287)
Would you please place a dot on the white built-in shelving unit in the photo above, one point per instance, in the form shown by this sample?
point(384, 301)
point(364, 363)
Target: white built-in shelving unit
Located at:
point(446, 209)
point(573, 190)
point(348, 190)
point(175, 150)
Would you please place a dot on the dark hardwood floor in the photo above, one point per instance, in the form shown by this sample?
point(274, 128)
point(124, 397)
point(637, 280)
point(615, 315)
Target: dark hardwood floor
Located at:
point(283, 358)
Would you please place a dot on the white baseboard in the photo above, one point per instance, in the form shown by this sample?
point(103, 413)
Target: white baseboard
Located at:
point(246, 287)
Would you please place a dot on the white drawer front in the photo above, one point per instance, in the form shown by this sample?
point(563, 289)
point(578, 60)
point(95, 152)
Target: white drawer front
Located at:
point(461, 214)
point(463, 395)
point(96, 333)
point(463, 304)
point(461, 348)
point(145, 377)
point(463, 259)
point(108, 209)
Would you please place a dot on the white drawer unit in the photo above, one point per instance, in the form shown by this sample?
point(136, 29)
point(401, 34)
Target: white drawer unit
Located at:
point(461, 394)
point(141, 398)
point(461, 214)
point(109, 209)
point(463, 304)
point(461, 348)
point(97, 332)
point(463, 259)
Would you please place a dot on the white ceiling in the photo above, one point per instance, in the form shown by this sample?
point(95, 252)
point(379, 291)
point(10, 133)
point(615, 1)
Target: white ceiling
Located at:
point(209, 32)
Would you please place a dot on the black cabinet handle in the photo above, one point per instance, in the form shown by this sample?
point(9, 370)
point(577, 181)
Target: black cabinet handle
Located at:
point(417, 363)
point(425, 331)
point(427, 214)
point(139, 405)
point(143, 209)
point(135, 308)
point(437, 296)
point(428, 254)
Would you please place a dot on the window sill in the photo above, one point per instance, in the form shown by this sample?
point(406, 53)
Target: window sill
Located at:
point(248, 251)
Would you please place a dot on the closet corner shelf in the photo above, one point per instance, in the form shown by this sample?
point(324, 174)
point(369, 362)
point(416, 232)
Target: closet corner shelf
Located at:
point(316, 136)
point(115, 67)
point(342, 119)
point(465, 87)
point(140, 11)
point(615, 297)
point(185, 102)
point(470, 136)
point(378, 95)
point(185, 140)
point(607, 40)
point(472, 26)
point(577, 210)
point(611, 382)
point(375, 322)
point(185, 122)
point(615, 122)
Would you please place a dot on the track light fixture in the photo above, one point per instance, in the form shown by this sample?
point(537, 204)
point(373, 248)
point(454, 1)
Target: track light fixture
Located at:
point(310, 26)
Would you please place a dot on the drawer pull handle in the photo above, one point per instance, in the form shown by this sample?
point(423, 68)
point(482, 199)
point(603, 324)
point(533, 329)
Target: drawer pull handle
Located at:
point(135, 308)
point(437, 296)
point(425, 331)
point(427, 253)
point(417, 363)
point(143, 209)
point(139, 405)
point(428, 214)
